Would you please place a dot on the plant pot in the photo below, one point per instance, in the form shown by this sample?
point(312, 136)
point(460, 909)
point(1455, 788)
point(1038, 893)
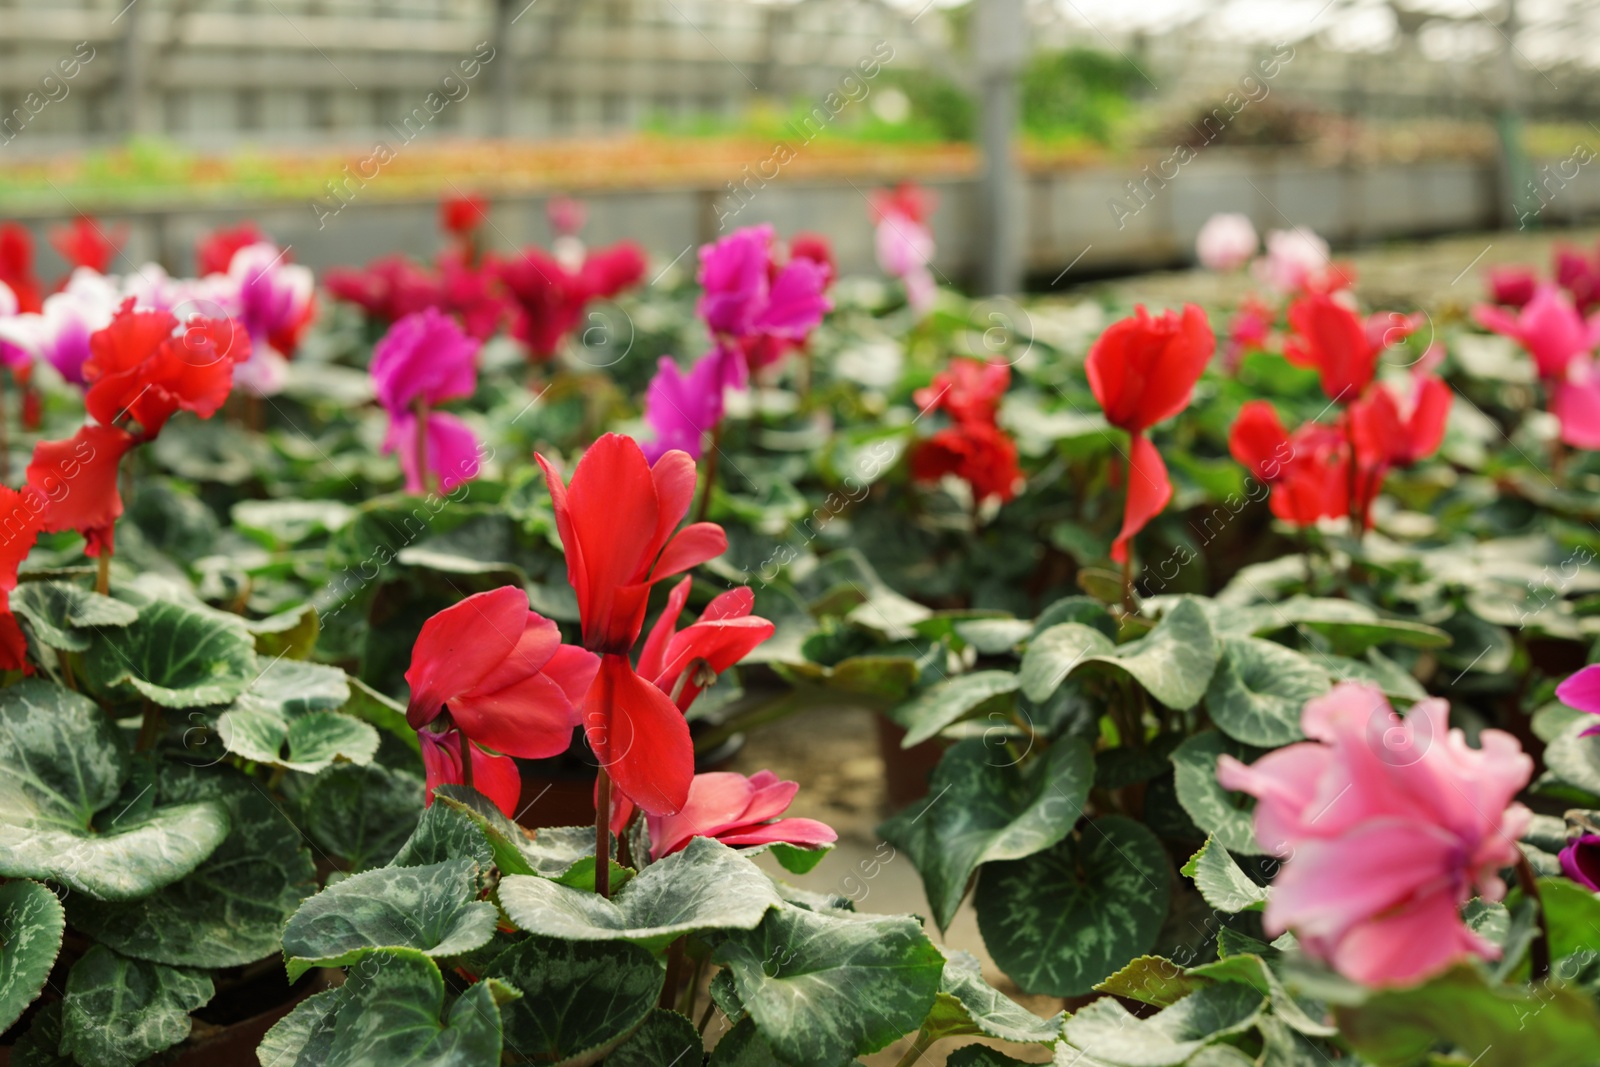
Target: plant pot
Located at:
point(905, 770)
point(560, 791)
point(232, 1039)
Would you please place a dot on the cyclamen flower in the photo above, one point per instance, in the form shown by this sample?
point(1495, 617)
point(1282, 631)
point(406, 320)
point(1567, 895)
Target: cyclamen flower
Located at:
point(1580, 861)
point(905, 243)
point(1226, 242)
point(1582, 691)
point(968, 389)
point(492, 674)
point(1561, 343)
point(749, 297)
point(16, 267)
point(1389, 827)
point(980, 455)
point(388, 289)
point(143, 369)
point(276, 302)
point(21, 519)
point(1295, 261)
point(549, 299)
point(618, 520)
point(1579, 275)
point(1143, 370)
point(58, 333)
point(425, 360)
point(681, 663)
point(462, 215)
point(738, 811)
point(214, 252)
point(1308, 472)
point(1334, 341)
point(76, 483)
point(1249, 330)
point(1512, 286)
point(85, 244)
point(682, 408)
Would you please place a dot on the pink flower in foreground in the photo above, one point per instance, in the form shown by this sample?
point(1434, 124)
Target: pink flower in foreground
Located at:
point(1388, 828)
point(738, 811)
point(1226, 241)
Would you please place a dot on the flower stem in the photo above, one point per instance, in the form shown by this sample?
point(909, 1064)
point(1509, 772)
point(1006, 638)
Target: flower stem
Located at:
point(424, 476)
point(669, 989)
point(1539, 951)
point(102, 575)
point(602, 836)
point(466, 760)
point(918, 1047)
point(711, 473)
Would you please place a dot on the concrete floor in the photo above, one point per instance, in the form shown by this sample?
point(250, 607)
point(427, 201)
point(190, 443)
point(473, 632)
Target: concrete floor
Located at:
point(833, 754)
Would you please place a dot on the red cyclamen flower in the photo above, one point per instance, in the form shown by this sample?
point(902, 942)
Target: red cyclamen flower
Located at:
point(1330, 338)
point(978, 453)
point(681, 663)
point(617, 521)
point(494, 672)
point(738, 811)
point(214, 252)
point(1142, 370)
point(461, 215)
point(85, 244)
point(21, 518)
point(76, 480)
point(140, 370)
point(969, 390)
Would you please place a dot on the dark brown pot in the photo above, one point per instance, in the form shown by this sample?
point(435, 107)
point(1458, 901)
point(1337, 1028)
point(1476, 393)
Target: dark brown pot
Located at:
point(560, 791)
point(905, 770)
point(232, 1044)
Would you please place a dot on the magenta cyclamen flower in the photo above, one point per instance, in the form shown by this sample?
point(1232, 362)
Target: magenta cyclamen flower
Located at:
point(748, 296)
point(682, 408)
point(1387, 828)
point(424, 360)
point(1560, 341)
point(1582, 691)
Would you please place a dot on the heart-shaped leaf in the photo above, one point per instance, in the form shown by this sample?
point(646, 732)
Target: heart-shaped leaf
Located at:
point(31, 923)
point(391, 1010)
point(1223, 884)
point(60, 613)
point(580, 999)
point(177, 654)
point(1173, 662)
point(231, 909)
point(939, 706)
point(1105, 1030)
point(665, 1039)
point(1059, 921)
point(432, 909)
point(1576, 759)
point(985, 808)
point(62, 767)
point(286, 719)
point(1260, 689)
point(118, 1011)
point(967, 1004)
point(824, 988)
point(1226, 815)
point(362, 815)
point(707, 886)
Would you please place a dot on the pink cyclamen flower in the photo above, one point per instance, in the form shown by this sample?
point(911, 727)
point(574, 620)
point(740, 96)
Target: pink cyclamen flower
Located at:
point(748, 296)
point(59, 332)
point(1512, 286)
point(738, 811)
point(1294, 259)
point(905, 251)
point(1388, 828)
point(1549, 327)
point(682, 408)
point(1582, 691)
point(424, 360)
point(275, 306)
point(1226, 241)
